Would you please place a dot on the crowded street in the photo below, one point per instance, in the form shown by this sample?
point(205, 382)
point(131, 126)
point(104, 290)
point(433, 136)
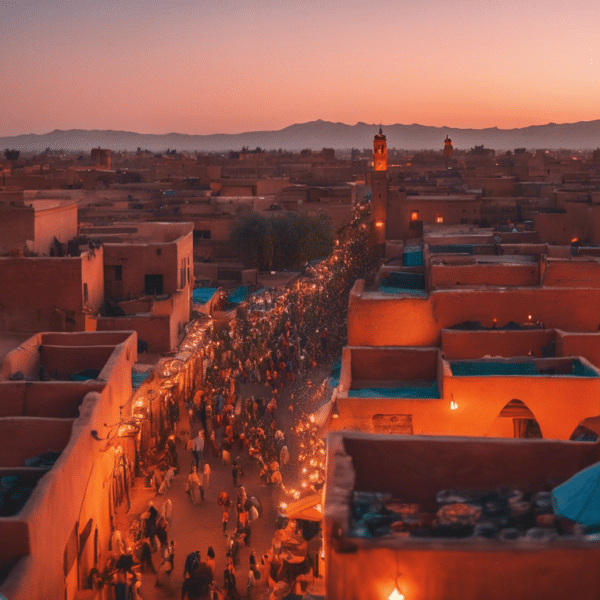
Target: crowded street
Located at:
point(234, 446)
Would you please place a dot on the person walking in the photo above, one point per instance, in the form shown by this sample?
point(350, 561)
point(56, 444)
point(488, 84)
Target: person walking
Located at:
point(198, 448)
point(206, 472)
point(193, 486)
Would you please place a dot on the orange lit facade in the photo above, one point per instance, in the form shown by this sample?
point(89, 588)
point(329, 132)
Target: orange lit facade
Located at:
point(416, 468)
point(379, 190)
point(61, 531)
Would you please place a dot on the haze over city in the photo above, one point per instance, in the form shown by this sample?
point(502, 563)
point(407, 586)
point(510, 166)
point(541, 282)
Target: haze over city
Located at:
point(235, 66)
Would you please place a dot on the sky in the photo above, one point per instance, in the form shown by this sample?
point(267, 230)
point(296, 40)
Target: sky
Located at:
point(231, 66)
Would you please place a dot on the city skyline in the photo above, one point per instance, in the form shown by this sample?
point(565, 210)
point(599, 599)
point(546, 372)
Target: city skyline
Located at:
point(233, 66)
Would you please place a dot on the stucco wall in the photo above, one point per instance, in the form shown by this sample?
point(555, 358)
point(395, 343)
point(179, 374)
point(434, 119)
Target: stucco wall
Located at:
point(501, 274)
point(16, 227)
point(47, 293)
point(416, 469)
point(376, 320)
point(155, 331)
point(69, 494)
point(59, 221)
point(476, 344)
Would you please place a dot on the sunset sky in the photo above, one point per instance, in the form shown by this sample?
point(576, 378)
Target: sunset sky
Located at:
point(228, 66)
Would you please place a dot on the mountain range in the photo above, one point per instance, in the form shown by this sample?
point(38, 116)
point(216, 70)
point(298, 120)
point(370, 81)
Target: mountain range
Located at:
point(584, 135)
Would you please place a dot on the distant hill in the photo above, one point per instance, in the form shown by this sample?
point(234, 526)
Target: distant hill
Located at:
point(315, 135)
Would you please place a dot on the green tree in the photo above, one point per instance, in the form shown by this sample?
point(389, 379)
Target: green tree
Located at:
point(11, 154)
point(251, 238)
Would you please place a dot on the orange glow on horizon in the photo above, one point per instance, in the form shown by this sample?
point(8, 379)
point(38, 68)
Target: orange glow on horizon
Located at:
point(240, 66)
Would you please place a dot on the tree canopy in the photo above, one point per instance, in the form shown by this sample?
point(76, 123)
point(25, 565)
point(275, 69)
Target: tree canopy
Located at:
point(287, 241)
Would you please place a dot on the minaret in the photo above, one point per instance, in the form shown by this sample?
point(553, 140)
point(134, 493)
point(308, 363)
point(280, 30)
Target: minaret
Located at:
point(448, 149)
point(379, 189)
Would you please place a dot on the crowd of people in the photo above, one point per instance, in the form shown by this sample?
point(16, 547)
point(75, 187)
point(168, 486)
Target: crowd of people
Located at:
point(270, 343)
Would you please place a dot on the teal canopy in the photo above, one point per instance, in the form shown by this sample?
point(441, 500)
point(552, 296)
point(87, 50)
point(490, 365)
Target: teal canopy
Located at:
point(202, 295)
point(578, 498)
point(239, 294)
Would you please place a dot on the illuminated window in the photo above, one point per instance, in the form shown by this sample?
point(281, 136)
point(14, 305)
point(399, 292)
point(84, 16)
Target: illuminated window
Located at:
point(439, 219)
point(414, 215)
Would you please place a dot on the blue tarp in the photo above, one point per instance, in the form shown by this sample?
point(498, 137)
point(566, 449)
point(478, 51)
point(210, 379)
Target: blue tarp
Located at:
point(476, 368)
point(451, 248)
point(259, 291)
point(582, 370)
point(470, 368)
point(411, 281)
point(202, 295)
point(138, 377)
point(238, 295)
point(430, 391)
point(334, 376)
point(578, 498)
point(412, 257)
point(397, 290)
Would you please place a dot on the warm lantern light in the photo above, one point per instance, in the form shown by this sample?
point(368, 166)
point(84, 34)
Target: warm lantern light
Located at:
point(379, 224)
point(453, 405)
point(396, 595)
point(414, 215)
point(439, 219)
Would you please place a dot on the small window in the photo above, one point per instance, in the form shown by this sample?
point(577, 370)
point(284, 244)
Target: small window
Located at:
point(158, 251)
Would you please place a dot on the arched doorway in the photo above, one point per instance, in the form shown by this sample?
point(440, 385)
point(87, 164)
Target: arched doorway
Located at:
point(525, 424)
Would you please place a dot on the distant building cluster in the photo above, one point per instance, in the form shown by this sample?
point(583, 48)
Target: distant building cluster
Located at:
point(472, 359)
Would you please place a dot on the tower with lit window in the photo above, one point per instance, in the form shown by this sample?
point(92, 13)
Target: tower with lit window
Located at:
point(448, 149)
point(379, 189)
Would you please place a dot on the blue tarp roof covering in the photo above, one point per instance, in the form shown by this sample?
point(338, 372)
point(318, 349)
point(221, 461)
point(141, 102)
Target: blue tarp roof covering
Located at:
point(138, 377)
point(203, 295)
point(430, 391)
point(452, 248)
point(582, 370)
point(334, 377)
point(470, 368)
point(399, 279)
point(259, 291)
point(397, 290)
point(239, 295)
point(578, 498)
point(466, 369)
point(412, 256)
point(85, 375)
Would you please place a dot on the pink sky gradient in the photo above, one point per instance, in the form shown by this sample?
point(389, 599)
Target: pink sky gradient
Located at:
point(229, 66)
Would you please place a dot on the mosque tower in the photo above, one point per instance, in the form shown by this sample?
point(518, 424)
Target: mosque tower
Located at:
point(448, 149)
point(379, 189)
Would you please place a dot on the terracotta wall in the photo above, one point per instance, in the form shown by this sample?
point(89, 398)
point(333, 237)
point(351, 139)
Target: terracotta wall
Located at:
point(499, 274)
point(558, 402)
point(25, 438)
point(408, 364)
point(377, 320)
point(47, 293)
point(155, 331)
point(54, 399)
point(69, 360)
point(59, 222)
point(16, 227)
point(583, 272)
point(416, 469)
point(82, 476)
point(476, 344)
point(580, 344)
point(139, 260)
